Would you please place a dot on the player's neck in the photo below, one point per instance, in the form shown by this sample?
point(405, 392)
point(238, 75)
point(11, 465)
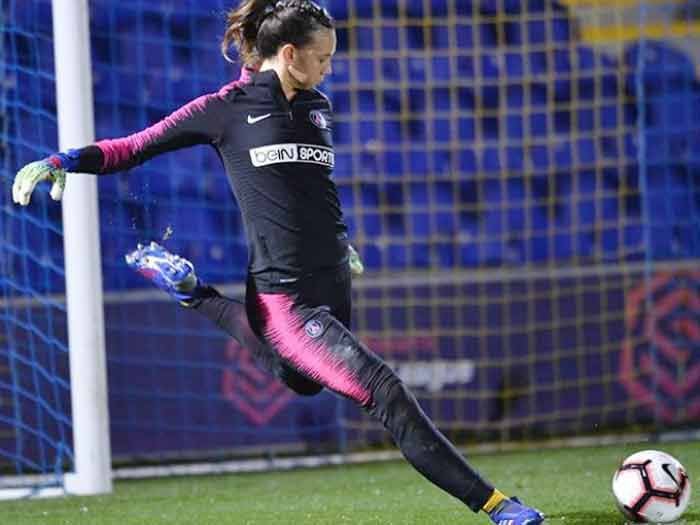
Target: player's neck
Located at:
point(288, 83)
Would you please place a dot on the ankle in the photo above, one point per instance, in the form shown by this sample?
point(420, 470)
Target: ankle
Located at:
point(495, 502)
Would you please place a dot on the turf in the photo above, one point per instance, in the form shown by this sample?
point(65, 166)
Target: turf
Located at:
point(572, 486)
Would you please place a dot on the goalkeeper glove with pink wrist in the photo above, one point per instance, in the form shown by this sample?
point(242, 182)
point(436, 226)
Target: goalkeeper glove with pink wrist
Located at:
point(52, 168)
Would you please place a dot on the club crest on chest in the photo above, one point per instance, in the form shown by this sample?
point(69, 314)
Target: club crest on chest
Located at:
point(318, 119)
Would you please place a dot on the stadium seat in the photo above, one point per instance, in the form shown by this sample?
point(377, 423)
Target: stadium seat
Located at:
point(371, 255)
point(659, 65)
point(514, 126)
point(419, 255)
point(421, 227)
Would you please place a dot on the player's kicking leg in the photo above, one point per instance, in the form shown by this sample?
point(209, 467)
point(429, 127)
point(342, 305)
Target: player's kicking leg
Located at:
point(176, 276)
point(169, 272)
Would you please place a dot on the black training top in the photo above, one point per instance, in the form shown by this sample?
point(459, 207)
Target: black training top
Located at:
point(278, 155)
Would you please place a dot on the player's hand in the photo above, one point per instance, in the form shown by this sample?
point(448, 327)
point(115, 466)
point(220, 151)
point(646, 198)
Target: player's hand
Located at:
point(32, 174)
point(356, 266)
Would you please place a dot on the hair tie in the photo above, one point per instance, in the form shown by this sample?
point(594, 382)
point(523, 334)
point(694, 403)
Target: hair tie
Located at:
point(267, 12)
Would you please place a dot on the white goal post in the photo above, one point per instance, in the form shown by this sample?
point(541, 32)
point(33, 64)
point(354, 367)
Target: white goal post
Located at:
point(88, 376)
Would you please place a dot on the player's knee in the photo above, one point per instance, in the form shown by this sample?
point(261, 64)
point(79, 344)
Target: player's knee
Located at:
point(308, 388)
point(298, 383)
point(391, 399)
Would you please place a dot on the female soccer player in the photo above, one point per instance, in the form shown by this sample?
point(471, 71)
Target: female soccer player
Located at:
point(273, 135)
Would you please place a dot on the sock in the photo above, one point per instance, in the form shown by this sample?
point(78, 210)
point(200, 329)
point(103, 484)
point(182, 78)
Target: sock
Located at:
point(189, 284)
point(193, 286)
point(496, 498)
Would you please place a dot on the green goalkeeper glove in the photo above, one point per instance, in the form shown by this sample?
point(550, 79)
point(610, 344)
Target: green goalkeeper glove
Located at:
point(32, 174)
point(356, 266)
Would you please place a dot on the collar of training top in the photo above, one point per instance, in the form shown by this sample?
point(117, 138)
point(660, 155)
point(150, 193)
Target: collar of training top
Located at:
point(269, 78)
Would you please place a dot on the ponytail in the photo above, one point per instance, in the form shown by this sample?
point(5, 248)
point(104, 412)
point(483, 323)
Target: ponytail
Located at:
point(242, 25)
point(257, 28)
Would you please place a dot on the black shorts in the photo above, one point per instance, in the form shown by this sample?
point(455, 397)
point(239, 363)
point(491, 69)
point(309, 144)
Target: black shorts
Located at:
point(307, 324)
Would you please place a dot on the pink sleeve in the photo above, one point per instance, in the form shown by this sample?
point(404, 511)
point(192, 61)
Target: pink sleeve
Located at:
point(194, 123)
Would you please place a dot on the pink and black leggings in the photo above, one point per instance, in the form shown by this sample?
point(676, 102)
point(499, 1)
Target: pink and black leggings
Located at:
point(306, 342)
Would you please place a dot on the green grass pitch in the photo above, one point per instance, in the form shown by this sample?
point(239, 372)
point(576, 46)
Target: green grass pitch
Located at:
point(572, 486)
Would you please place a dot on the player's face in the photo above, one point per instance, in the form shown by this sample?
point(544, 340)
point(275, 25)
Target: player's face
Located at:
point(314, 60)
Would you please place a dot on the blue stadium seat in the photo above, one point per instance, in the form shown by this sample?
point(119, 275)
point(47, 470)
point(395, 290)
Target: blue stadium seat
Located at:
point(438, 8)
point(394, 216)
point(540, 157)
point(541, 19)
point(441, 98)
point(418, 195)
point(421, 225)
point(397, 256)
point(490, 128)
point(596, 75)
point(393, 131)
point(609, 116)
point(538, 124)
point(414, 38)
point(501, 239)
point(418, 162)
point(563, 153)
point(371, 255)
point(515, 126)
point(417, 68)
point(659, 65)
point(339, 8)
point(464, 33)
point(515, 159)
point(441, 68)
point(673, 125)
point(491, 159)
point(516, 99)
point(364, 38)
point(394, 163)
point(365, 71)
point(440, 36)
point(419, 255)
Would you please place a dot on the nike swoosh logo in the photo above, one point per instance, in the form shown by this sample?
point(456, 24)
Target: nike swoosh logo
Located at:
point(255, 120)
point(667, 469)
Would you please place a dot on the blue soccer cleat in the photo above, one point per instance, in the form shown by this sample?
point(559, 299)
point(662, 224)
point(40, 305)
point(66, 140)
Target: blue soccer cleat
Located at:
point(513, 512)
point(169, 272)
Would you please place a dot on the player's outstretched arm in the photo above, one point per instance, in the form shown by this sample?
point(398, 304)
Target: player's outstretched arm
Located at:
point(191, 124)
point(199, 122)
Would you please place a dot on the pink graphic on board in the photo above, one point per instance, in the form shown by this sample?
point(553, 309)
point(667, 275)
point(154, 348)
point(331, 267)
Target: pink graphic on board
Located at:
point(660, 363)
point(255, 393)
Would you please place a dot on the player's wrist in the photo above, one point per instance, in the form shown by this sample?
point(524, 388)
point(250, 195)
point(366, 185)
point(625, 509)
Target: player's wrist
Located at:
point(67, 160)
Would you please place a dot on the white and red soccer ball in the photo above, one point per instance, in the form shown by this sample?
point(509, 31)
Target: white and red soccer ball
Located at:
point(651, 487)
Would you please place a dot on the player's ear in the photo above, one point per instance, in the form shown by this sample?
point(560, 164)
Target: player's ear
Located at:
point(288, 53)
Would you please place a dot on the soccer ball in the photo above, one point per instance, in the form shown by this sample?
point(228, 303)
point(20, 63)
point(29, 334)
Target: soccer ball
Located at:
point(651, 487)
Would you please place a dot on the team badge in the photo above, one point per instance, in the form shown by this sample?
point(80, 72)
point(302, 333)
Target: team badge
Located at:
point(313, 328)
point(318, 119)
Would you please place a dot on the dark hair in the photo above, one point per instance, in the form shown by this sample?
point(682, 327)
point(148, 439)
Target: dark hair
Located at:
point(257, 28)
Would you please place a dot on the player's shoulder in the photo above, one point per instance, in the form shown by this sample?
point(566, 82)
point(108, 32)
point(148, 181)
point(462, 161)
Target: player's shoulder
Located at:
point(231, 91)
point(320, 96)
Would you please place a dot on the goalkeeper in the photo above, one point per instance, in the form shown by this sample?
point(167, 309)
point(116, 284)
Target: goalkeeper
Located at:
point(273, 135)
